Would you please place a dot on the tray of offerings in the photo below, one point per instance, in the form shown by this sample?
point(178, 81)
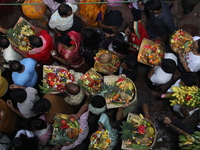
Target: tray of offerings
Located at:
point(150, 53)
point(91, 81)
point(118, 90)
point(18, 36)
point(54, 79)
point(138, 133)
point(106, 62)
point(181, 41)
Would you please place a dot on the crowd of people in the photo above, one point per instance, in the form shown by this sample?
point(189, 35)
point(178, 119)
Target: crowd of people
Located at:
point(79, 32)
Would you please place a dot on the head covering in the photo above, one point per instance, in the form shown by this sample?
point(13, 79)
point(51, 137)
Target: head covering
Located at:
point(3, 85)
point(75, 99)
point(97, 111)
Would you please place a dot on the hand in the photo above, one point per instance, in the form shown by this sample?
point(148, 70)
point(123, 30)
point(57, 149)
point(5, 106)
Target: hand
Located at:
point(75, 116)
point(167, 120)
point(101, 127)
point(127, 31)
point(13, 86)
point(114, 29)
point(9, 104)
point(86, 93)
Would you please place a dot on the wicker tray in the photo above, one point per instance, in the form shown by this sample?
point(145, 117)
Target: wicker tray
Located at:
point(144, 57)
point(125, 144)
point(178, 42)
point(90, 83)
point(109, 80)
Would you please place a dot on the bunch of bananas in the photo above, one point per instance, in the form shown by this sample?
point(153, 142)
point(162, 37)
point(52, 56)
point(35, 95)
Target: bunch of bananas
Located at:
point(47, 70)
point(190, 142)
point(188, 96)
point(137, 120)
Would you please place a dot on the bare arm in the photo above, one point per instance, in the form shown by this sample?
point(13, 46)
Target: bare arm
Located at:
point(184, 62)
point(10, 105)
point(101, 25)
point(13, 86)
point(4, 31)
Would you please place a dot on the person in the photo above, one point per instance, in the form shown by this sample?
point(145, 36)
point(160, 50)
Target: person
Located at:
point(9, 53)
point(51, 104)
point(25, 97)
point(68, 50)
point(119, 45)
point(41, 45)
point(42, 130)
point(159, 75)
point(95, 14)
point(129, 67)
point(160, 22)
point(93, 40)
point(190, 61)
point(188, 5)
point(136, 33)
point(24, 139)
point(10, 119)
point(23, 72)
point(63, 19)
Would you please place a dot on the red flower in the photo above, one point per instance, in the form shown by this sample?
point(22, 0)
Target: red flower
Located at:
point(120, 80)
point(51, 75)
point(64, 126)
point(141, 129)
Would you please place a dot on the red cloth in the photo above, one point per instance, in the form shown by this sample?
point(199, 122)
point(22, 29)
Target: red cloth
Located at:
point(44, 56)
point(136, 40)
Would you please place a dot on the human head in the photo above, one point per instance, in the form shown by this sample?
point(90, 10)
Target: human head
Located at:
point(130, 62)
point(120, 43)
point(38, 124)
point(188, 80)
point(64, 10)
point(4, 42)
point(23, 142)
point(18, 95)
point(65, 40)
point(168, 65)
point(98, 101)
point(72, 88)
point(196, 46)
point(41, 106)
point(105, 58)
point(35, 41)
point(154, 6)
point(90, 37)
point(15, 66)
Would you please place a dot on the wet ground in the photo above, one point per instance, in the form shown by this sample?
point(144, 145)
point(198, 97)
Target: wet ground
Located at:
point(166, 139)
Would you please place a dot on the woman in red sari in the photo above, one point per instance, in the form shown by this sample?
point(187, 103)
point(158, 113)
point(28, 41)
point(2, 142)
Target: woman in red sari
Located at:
point(68, 50)
point(136, 33)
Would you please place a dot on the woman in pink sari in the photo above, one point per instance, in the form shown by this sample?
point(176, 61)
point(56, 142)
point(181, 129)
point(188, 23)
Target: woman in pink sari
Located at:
point(68, 50)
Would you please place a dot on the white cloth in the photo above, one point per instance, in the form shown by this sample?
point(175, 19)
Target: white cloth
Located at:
point(25, 107)
point(176, 84)
point(10, 54)
point(60, 23)
point(29, 134)
point(160, 77)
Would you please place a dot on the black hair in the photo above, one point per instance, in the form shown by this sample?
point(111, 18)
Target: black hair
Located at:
point(38, 124)
point(188, 80)
point(198, 45)
point(91, 38)
point(131, 61)
point(65, 39)
point(153, 5)
point(18, 95)
point(15, 66)
point(119, 44)
point(41, 106)
point(168, 65)
point(98, 101)
point(60, 1)
point(4, 42)
point(23, 142)
point(35, 41)
point(63, 10)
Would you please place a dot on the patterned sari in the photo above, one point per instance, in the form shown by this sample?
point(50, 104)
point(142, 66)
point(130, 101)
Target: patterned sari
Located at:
point(73, 54)
point(90, 11)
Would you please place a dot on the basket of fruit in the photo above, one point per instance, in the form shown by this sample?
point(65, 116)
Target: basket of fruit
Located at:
point(150, 53)
point(100, 140)
point(2, 113)
point(181, 41)
point(54, 79)
point(106, 62)
point(118, 90)
point(91, 81)
point(186, 96)
point(138, 133)
point(65, 130)
point(18, 36)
